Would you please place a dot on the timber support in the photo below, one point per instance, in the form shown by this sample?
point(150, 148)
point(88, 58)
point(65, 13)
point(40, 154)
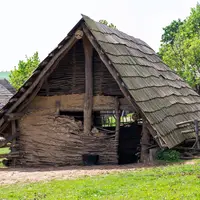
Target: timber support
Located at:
point(145, 143)
point(88, 99)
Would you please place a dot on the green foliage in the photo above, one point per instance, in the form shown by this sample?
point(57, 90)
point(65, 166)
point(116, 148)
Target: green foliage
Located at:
point(168, 155)
point(164, 183)
point(24, 70)
point(111, 25)
point(170, 32)
point(180, 47)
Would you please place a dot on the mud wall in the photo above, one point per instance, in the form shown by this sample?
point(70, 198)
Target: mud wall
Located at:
point(47, 138)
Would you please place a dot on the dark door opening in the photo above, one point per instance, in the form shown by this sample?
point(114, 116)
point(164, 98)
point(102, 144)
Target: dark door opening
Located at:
point(129, 143)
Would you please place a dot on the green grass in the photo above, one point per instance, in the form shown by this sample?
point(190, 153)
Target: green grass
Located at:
point(3, 151)
point(176, 182)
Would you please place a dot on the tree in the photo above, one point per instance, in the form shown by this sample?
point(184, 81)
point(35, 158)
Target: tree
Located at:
point(180, 47)
point(111, 25)
point(170, 32)
point(24, 70)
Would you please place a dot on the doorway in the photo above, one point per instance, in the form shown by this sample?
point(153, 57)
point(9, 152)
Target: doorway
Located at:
point(129, 143)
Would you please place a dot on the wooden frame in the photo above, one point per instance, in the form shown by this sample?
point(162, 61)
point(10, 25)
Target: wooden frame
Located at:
point(88, 100)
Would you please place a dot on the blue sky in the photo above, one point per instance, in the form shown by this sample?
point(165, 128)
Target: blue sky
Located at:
point(39, 25)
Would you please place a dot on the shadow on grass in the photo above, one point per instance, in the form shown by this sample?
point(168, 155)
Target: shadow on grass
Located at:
point(97, 167)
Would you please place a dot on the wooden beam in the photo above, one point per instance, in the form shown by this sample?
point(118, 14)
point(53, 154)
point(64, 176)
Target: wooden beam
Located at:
point(88, 99)
point(54, 61)
point(196, 127)
point(14, 116)
point(14, 131)
point(118, 115)
point(145, 143)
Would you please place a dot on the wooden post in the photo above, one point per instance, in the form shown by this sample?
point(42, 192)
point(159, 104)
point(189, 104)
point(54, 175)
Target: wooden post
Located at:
point(145, 143)
point(118, 115)
point(88, 101)
point(14, 132)
point(197, 133)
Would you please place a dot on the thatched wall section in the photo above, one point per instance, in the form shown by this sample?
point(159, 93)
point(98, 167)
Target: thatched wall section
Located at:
point(47, 139)
point(69, 76)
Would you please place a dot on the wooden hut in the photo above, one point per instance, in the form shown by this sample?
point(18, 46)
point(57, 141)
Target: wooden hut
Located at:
point(73, 105)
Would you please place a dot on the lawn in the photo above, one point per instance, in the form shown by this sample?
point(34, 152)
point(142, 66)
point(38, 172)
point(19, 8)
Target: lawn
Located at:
point(161, 183)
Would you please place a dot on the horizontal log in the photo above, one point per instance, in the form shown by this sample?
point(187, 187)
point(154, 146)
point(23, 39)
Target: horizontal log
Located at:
point(9, 155)
point(188, 131)
point(189, 158)
point(186, 122)
point(9, 145)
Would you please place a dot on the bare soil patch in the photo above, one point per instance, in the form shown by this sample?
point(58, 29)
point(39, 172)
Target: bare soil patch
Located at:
point(24, 175)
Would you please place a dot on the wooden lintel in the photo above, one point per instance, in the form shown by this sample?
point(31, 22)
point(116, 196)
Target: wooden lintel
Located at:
point(88, 99)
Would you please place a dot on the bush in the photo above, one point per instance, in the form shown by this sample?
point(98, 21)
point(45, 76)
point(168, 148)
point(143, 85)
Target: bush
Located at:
point(168, 155)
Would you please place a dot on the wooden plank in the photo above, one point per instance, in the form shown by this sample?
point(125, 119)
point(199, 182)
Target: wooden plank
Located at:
point(14, 116)
point(145, 143)
point(88, 99)
point(14, 131)
point(54, 61)
point(196, 127)
point(184, 122)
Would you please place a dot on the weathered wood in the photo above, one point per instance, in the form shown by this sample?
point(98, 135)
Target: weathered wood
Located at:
point(54, 61)
point(14, 132)
point(88, 100)
point(110, 69)
point(184, 122)
point(118, 115)
point(196, 127)
point(188, 131)
point(145, 143)
point(10, 155)
point(14, 116)
point(47, 87)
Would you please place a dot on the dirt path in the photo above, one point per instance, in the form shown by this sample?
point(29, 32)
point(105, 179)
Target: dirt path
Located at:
point(24, 175)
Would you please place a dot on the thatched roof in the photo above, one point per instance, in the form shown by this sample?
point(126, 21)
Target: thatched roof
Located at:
point(159, 93)
point(6, 92)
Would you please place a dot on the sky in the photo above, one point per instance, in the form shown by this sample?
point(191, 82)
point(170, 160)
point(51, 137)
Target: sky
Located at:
point(27, 26)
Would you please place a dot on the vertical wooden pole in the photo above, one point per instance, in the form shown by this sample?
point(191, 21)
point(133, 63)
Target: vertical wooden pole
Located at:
point(145, 143)
point(117, 127)
point(14, 132)
point(196, 123)
point(118, 115)
point(88, 101)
